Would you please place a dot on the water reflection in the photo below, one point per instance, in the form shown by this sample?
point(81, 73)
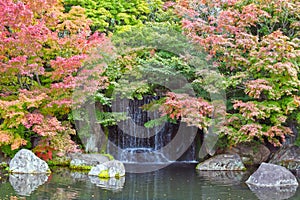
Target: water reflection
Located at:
point(175, 182)
point(279, 193)
point(113, 184)
point(224, 177)
point(25, 184)
point(63, 194)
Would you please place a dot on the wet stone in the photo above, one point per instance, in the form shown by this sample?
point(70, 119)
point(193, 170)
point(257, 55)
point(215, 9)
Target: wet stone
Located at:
point(25, 161)
point(230, 162)
point(108, 169)
point(268, 175)
point(288, 156)
point(78, 160)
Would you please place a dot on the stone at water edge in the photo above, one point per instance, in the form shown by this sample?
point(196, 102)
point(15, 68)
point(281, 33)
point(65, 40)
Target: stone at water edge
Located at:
point(269, 175)
point(288, 156)
point(250, 153)
point(113, 168)
point(25, 161)
point(222, 162)
point(79, 161)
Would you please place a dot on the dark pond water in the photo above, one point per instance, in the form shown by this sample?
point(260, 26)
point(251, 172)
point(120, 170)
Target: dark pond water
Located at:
point(175, 182)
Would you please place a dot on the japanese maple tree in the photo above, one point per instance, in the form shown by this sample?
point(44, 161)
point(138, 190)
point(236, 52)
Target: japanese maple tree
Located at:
point(256, 46)
point(42, 47)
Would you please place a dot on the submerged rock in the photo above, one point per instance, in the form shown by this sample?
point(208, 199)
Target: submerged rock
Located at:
point(251, 153)
point(108, 169)
point(222, 162)
point(25, 184)
point(87, 161)
point(25, 161)
point(268, 175)
point(288, 157)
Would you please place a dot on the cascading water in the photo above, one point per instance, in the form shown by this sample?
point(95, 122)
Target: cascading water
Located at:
point(138, 144)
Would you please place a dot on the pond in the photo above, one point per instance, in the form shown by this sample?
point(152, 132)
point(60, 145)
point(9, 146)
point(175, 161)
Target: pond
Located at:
point(175, 182)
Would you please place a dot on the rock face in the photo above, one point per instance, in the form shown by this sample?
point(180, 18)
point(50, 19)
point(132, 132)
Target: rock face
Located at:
point(222, 162)
point(25, 184)
point(288, 157)
point(108, 169)
point(80, 160)
point(268, 175)
point(27, 162)
point(251, 153)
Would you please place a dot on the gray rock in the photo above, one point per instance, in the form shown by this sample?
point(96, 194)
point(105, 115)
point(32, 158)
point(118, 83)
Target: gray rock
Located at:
point(78, 160)
point(113, 184)
point(25, 184)
point(222, 162)
point(288, 157)
point(27, 162)
point(108, 169)
point(278, 193)
point(251, 153)
point(268, 175)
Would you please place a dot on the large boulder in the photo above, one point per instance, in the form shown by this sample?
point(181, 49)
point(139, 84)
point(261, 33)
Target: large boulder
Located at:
point(108, 169)
point(268, 175)
point(251, 153)
point(222, 162)
point(288, 157)
point(25, 161)
point(86, 161)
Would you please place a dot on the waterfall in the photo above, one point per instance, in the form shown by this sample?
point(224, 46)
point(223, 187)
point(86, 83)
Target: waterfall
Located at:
point(138, 144)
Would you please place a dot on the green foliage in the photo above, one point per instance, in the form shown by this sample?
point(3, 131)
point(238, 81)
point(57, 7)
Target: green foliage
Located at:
point(111, 16)
point(110, 118)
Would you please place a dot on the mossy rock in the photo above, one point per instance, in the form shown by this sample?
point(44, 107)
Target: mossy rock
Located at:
point(59, 161)
point(81, 167)
point(110, 157)
point(104, 174)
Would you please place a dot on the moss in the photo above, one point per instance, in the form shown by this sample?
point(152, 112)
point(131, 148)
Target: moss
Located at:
point(117, 176)
point(80, 167)
point(63, 163)
point(4, 165)
point(104, 174)
point(110, 157)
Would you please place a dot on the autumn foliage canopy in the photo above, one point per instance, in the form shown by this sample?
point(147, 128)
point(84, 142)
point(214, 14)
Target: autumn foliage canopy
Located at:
point(47, 49)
